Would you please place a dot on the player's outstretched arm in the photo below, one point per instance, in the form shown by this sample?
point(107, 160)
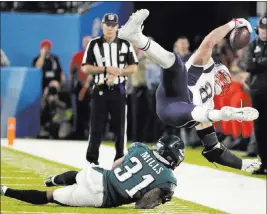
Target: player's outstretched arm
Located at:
point(150, 200)
point(204, 52)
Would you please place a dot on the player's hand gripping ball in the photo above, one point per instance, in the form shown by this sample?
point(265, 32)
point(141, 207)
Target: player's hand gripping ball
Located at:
point(240, 35)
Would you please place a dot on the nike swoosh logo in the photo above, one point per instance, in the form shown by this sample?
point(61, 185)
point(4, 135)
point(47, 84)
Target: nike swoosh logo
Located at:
point(241, 112)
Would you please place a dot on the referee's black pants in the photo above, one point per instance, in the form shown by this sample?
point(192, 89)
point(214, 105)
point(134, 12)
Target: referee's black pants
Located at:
point(107, 100)
point(259, 102)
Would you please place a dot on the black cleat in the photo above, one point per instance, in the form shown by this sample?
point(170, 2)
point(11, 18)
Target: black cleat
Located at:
point(49, 182)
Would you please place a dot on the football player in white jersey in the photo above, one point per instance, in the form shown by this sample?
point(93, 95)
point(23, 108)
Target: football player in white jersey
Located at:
point(185, 96)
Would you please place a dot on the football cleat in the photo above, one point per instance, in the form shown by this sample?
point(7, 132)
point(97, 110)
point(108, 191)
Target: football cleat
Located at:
point(3, 190)
point(133, 26)
point(49, 182)
point(250, 165)
point(240, 114)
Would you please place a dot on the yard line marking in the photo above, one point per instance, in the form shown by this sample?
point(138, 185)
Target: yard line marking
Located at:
point(22, 178)
point(22, 184)
point(16, 171)
point(18, 211)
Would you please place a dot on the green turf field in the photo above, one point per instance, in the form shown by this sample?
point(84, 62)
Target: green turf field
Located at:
point(24, 171)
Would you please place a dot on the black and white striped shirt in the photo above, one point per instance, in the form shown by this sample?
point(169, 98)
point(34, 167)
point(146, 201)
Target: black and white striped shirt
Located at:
point(119, 53)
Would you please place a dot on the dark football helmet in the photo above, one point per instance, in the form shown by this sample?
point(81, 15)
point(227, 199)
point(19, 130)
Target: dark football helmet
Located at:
point(171, 148)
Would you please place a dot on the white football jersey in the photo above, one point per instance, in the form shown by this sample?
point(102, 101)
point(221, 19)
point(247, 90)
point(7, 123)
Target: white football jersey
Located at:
point(201, 82)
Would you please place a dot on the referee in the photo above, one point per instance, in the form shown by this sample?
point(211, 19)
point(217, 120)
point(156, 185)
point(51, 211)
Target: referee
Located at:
point(110, 60)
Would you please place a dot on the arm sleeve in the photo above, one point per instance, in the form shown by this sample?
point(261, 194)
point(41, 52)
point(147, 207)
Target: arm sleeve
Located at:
point(88, 57)
point(131, 56)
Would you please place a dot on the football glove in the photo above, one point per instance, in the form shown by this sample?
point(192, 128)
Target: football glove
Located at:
point(240, 22)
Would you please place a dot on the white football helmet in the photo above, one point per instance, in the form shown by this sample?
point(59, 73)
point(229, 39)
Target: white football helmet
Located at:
point(222, 79)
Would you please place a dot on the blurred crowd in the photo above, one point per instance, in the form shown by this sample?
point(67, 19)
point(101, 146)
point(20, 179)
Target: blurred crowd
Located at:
point(65, 108)
point(41, 6)
point(65, 105)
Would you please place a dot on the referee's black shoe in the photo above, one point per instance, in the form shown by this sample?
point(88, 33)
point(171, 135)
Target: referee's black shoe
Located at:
point(94, 162)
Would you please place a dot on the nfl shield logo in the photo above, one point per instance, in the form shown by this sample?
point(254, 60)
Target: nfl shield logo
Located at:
point(111, 17)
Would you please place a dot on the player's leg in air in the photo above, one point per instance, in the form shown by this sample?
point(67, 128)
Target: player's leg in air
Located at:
point(172, 97)
point(174, 105)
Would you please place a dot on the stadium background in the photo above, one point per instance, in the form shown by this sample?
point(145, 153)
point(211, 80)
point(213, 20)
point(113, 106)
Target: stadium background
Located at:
point(22, 30)
point(21, 33)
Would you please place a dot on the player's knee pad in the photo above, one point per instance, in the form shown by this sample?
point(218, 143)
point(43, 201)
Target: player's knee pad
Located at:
point(221, 155)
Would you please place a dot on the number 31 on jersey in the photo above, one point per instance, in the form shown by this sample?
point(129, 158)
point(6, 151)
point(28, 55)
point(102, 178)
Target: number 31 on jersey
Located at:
point(147, 179)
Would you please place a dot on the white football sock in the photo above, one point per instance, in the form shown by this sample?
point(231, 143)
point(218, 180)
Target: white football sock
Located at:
point(4, 189)
point(154, 51)
point(139, 40)
point(159, 55)
point(204, 115)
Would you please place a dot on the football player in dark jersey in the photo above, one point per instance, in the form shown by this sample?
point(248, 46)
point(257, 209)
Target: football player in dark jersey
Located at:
point(144, 176)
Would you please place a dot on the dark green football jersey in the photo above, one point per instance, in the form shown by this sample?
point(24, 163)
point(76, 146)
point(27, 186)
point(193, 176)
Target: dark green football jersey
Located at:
point(139, 172)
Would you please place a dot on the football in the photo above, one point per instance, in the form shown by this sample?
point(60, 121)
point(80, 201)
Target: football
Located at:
point(239, 38)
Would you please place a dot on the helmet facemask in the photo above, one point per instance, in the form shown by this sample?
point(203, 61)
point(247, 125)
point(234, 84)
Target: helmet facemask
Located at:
point(168, 157)
point(222, 80)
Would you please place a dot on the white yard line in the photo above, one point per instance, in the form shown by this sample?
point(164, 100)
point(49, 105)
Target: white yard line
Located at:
point(20, 178)
point(28, 185)
point(229, 192)
point(15, 171)
point(19, 211)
